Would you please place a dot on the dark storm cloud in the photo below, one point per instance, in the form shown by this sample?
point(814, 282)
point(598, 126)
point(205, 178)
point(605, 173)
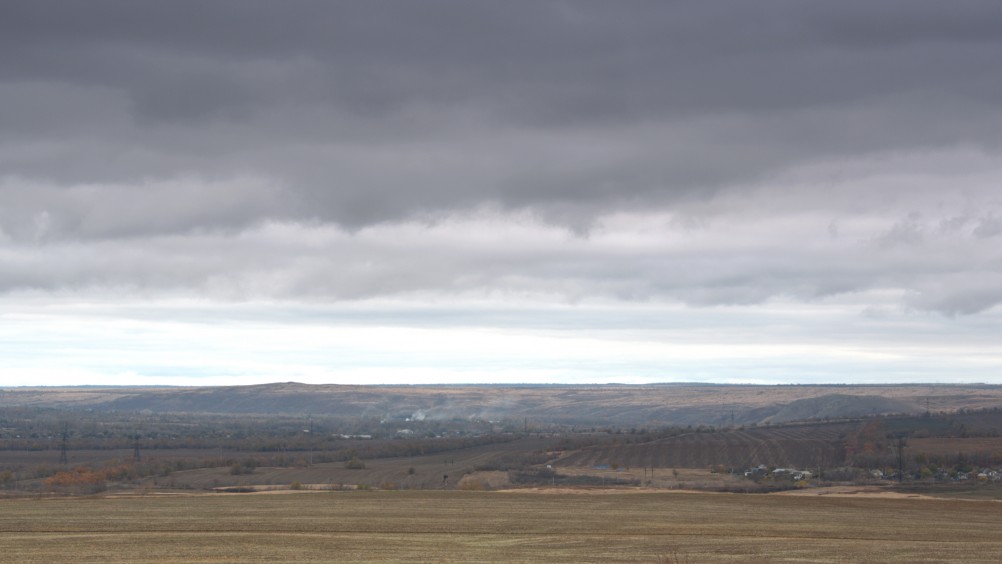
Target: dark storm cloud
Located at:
point(368, 111)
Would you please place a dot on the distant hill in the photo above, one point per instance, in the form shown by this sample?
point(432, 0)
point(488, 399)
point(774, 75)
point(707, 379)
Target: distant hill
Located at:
point(840, 406)
point(589, 405)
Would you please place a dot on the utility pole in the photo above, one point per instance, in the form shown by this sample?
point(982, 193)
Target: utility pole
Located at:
point(63, 459)
point(901, 458)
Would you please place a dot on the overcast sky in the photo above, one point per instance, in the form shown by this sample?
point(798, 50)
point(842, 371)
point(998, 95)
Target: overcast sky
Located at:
point(514, 191)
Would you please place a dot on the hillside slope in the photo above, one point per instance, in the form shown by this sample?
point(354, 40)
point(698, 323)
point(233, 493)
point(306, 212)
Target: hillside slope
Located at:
point(591, 405)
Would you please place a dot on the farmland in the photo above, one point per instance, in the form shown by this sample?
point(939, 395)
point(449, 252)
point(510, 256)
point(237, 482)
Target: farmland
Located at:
point(648, 457)
point(798, 446)
point(943, 446)
point(498, 526)
point(424, 471)
point(402, 486)
point(86, 451)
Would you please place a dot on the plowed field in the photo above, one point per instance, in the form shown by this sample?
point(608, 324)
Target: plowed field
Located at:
point(799, 446)
point(951, 446)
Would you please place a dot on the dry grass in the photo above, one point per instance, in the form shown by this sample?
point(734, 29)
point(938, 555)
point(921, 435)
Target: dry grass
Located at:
point(456, 526)
point(672, 478)
point(429, 470)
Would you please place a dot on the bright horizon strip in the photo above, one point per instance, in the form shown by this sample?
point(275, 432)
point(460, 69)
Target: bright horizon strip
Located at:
point(218, 344)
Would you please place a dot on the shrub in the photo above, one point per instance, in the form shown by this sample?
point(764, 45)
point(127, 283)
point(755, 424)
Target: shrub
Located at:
point(245, 467)
point(469, 483)
point(354, 464)
point(81, 479)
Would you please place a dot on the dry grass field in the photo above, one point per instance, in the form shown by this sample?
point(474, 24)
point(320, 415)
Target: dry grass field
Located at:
point(453, 526)
point(667, 478)
point(428, 470)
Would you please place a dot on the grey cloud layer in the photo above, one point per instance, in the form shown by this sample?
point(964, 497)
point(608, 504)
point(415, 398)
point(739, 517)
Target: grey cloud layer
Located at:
point(375, 110)
point(157, 146)
point(942, 256)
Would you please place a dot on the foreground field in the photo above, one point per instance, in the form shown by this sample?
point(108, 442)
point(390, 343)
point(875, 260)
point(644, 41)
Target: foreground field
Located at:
point(425, 526)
